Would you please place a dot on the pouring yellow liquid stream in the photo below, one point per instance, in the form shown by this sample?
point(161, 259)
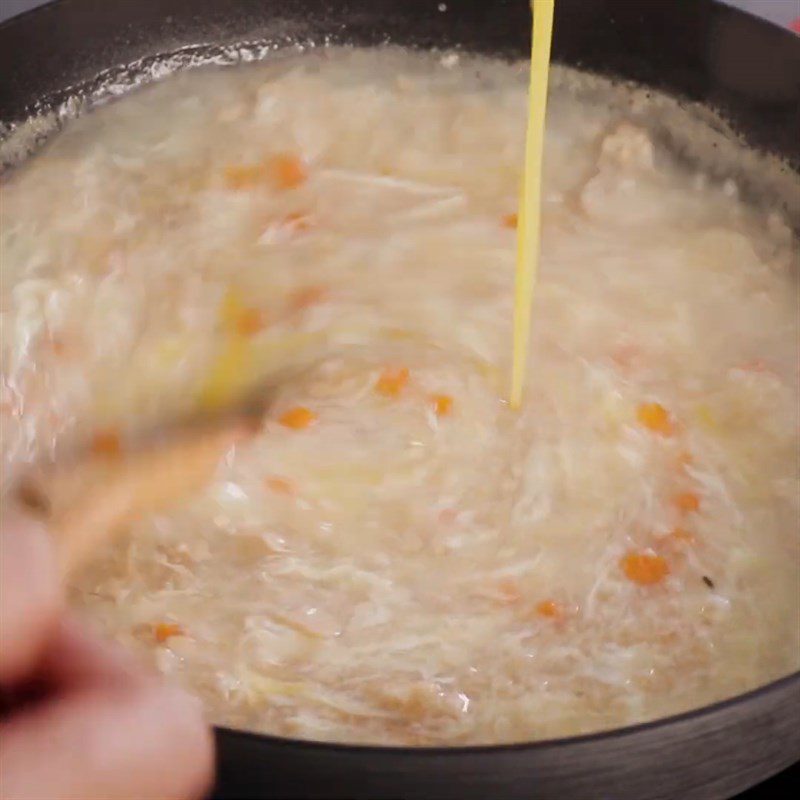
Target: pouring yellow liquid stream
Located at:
point(529, 215)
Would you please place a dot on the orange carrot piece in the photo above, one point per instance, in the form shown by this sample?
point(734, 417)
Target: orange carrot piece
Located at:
point(644, 568)
point(298, 418)
point(288, 171)
point(250, 321)
point(510, 220)
point(281, 485)
point(392, 381)
point(687, 502)
point(165, 630)
point(442, 404)
point(106, 443)
point(549, 608)
point(655, 418)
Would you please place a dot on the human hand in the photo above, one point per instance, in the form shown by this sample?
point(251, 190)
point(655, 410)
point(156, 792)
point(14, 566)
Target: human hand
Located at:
point(87, 723)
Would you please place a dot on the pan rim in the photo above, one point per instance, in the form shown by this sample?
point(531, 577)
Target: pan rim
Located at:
point(538, 745)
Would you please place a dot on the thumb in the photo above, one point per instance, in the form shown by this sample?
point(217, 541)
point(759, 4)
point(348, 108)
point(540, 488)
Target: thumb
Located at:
point(30, 593)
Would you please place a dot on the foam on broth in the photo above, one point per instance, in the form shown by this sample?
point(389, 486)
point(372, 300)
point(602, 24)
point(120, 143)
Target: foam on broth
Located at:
point(415, 563)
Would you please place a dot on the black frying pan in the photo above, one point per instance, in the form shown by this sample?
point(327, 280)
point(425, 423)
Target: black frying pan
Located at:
point(697, 50)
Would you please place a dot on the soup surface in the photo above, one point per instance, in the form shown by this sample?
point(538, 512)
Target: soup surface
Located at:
point(398, 557)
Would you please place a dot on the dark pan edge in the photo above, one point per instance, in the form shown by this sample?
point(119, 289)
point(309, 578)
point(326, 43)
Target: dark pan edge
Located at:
point(752, 695)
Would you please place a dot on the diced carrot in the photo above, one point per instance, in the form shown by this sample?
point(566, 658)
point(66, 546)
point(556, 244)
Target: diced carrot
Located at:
point(442, 404)
point(165, 630)
point(280, 485)
point(298, 418)
point(250, 321)
point(244, 176)
point(392, 381)
point(549, 608)
point(687, 502)
point(644, 568)
point(655, 418)
point(510, 220)
point(298, 221)
point(306, 297)
point(288, 171)
point(682, 536)
point(106, 443)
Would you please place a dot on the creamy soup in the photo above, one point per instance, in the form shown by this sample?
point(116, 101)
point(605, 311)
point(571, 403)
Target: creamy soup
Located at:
point(398, 557)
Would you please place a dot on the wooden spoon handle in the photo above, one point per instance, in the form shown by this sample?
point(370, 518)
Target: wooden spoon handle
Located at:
point(86, 502)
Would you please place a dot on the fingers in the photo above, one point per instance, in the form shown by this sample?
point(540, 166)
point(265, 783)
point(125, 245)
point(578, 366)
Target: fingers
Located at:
point(107, 745)
point(75, 659)
point(105, 730)
point(109, 734)
point(30, 593)
point(89, 501)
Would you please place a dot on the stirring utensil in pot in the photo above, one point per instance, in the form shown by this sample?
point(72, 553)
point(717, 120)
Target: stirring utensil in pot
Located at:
point(86, 501)
point(93, 496)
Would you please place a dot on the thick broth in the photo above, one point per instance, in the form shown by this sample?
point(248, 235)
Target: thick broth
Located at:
point(398, 557)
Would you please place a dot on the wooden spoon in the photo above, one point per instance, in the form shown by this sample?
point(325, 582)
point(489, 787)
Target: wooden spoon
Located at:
point(88, 500)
